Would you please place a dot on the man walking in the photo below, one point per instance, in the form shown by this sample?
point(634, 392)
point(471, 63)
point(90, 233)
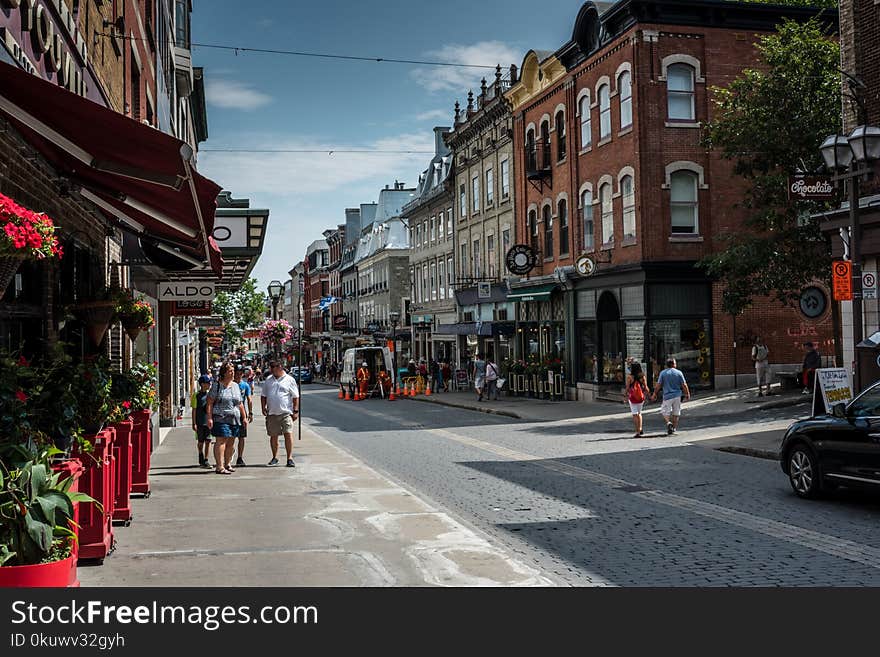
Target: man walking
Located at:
point(248, 400)
point(812, 362)
point(672, 382)
point(479, 375)
point(280, 403)
point(760, 356)
point(199, 405)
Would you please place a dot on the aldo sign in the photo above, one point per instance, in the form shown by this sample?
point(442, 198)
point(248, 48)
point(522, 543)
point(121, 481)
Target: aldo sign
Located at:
point(187, 291)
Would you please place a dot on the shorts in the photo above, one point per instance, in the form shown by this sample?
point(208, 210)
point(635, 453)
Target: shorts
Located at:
point(279, 424)
point(223, 430)
point(762, 371)
point(671, 407)
point(203, 434)
point(636, 409)
point(478, 382)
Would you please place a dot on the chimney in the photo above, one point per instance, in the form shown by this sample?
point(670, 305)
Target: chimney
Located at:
point(440, 145)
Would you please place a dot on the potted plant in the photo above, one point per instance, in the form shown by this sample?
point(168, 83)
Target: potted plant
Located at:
point(97, 313)
point(91, 390)
point(23, 235)
point(122, 389)
point(276, 332)
point(36, 519)
point(143, 402)
point(135, 314)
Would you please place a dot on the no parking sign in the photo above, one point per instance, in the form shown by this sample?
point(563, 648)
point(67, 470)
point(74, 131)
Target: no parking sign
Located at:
point(869, 285)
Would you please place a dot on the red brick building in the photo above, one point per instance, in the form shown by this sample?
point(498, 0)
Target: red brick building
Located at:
point(609, 166)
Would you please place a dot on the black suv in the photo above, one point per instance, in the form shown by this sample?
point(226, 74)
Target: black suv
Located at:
point(840, 449)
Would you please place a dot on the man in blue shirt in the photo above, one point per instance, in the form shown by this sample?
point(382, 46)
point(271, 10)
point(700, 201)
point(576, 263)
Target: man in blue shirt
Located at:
point(247, 397)
point(671, 381)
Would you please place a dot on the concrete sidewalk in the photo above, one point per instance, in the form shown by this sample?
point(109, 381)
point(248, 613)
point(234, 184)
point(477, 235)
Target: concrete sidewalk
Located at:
point(331, 521)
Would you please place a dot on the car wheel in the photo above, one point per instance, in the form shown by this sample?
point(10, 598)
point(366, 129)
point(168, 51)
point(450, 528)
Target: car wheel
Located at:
point(803, 472)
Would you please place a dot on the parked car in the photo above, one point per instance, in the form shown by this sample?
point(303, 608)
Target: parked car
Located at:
point(837, 449)
point(306, 374)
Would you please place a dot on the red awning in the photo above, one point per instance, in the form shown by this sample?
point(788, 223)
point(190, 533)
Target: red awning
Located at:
point(136, 173)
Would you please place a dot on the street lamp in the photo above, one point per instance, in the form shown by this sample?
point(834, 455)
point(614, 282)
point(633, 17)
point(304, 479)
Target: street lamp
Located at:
point(851, 159)
point(275, 290)
point(394, 317)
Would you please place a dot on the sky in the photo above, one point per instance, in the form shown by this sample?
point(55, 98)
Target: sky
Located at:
point(281, 102)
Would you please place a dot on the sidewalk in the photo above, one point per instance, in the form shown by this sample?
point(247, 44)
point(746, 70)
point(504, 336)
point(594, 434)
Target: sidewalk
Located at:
point(331, 521)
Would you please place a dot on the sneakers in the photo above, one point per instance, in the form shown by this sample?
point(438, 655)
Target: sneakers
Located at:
point(274, 461)
point(760, 394)
point(290, 463)
point(202, 461)
point(669, 429)
point(239, 463)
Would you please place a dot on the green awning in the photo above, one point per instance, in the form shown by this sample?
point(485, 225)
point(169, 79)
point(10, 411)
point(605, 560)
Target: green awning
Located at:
point(536, 293)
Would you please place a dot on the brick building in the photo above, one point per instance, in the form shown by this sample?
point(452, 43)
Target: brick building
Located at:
point(317, 286)
point(609, 166)
point(338, 322)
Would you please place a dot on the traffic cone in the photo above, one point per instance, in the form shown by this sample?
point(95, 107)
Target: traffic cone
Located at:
point(391, 395)
point(412, 390)
point(428, 390)
point(348, 394)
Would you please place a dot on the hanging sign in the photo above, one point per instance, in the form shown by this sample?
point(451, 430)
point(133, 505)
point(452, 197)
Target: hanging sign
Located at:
point(187, 291)
point(521, 259)
point(810, 188)
point(841, 281)
point(585, 266)
point(484, 290)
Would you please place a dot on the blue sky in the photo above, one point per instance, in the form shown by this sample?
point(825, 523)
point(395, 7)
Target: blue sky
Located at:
point(259, 101)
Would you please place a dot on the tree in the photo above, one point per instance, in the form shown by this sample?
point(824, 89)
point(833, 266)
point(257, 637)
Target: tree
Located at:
point(241, 309)
point(770, 123)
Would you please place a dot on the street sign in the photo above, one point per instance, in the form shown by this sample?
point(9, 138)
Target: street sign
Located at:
point(869, 285)
point(585, 266)
point(208, 322)
point(842, 280)
point(187, 291)
point(813, 302)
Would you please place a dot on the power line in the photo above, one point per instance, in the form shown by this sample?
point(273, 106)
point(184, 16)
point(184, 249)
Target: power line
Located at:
point(300, 53)
point(329, 151)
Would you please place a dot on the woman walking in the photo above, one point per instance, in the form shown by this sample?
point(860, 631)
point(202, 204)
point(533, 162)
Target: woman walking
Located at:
point(636, 393)
point(225, 415)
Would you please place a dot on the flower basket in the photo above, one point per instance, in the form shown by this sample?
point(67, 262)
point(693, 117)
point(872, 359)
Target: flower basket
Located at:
point(9, 264)
point(96, 315)
point(132, 328)
point(135, 313)
point(24, 234)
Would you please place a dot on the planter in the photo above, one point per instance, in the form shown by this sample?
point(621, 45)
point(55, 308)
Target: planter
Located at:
point(58, 574)
point(72, 468)
point(96, 315)
point(9, 264)
point(132, 327)
point(122, 454)
point(141, 448)
point(96, 529)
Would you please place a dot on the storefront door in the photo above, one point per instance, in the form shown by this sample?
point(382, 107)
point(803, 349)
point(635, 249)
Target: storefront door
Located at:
point(610, 339)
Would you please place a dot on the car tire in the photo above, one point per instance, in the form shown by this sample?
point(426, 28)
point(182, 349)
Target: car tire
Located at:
point(803, 472)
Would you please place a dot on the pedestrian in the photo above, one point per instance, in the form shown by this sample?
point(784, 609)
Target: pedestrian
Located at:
point(247, 399)
point(491, 380)
point(280, 403)
point(812, 362)
point(363, 378)
point(423, 369)
point(760, 356)
point(445, 374)
point(199, 406)
point(226, 415)
point(479, 371)
point(673, 384)
point(636, 393)
point(411, 368)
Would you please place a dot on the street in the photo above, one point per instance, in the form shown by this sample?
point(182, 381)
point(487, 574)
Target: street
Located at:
point(586, 504)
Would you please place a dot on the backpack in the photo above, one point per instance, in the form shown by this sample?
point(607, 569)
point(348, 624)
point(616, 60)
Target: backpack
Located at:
point(636, 393)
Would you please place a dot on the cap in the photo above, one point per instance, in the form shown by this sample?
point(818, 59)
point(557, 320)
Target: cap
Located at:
point(204, 378)
point(364, 364)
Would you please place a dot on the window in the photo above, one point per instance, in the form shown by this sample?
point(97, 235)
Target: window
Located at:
point(680, 92)
point(490, 255)
point(441, 275)
point(490, 187)
point(548, 231)
point(563, 226)
point(586, 124)
point(560, 135)
point(532, 228)
point(433, 229)
point(464, 261)
point(683, 201)
point(624, 90)
point(449, 222)
point(475, 194)
point(545, 145)
point(425, 293)
point(415, 288)
point(607, 213)
point(604, 112)
point(629, 206)
point(135, 90)
point(531, 151)
point(181, 24)
point(433, 281)
point(505, 241)
point(462, 200)
point(475, 253)
point(441, 226)
point(505, 179)
point(587, 210)
point(425, 233)
point(418, 235)
point(449, 271)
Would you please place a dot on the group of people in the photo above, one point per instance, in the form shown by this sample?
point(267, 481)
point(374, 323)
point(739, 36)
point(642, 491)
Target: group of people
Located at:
point(673, 386)
point(486, 375)
point(223, 408)
point(438, 372)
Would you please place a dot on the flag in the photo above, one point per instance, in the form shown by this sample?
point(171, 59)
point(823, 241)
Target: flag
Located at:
point(326, 302)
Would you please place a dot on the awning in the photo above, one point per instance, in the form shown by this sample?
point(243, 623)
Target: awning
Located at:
point(534, 293)
point(139, 175)
point(465, 328)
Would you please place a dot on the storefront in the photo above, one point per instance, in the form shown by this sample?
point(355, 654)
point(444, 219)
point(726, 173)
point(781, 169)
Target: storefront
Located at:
point(540, 323)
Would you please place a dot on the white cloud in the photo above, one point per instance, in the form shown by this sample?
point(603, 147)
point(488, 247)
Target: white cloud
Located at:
point(460, 79)
point(232, 94)
point(434, 114)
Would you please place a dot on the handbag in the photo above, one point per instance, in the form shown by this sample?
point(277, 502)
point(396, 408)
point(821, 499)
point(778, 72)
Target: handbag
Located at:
point(500, 383)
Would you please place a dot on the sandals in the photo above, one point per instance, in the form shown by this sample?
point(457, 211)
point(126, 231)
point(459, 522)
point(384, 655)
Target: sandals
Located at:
point(223, 471)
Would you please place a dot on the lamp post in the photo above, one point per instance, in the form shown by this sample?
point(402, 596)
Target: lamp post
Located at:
point(851, 159)
point(302, 282)
point(394, 317)
point(275, 290)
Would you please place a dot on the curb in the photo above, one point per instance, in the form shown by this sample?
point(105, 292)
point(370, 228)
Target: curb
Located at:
point(490, 411)
point(783, 403)
point(750, 451)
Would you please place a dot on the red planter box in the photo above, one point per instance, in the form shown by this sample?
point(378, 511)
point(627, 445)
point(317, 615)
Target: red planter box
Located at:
point(141, 448)
point(56, 574)
point(96, 527)
point(122, 454)
point(72, 468)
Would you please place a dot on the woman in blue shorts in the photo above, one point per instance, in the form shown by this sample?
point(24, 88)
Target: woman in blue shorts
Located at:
point(225, 416)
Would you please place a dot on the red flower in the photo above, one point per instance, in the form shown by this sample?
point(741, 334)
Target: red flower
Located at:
point(126, 405)
point(20, 396)
point(23, 361)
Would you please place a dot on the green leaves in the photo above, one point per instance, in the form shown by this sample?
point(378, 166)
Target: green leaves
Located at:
point(241, 309)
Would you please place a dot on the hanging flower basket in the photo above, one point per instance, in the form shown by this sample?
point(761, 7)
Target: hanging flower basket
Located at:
point(96, 315)
point(23, 235)
point(135, 313)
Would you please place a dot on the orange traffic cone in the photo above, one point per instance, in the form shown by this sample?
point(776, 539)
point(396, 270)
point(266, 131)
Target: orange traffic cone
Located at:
point(348, 394)
point(428, 390)
point(341, 393)
point(391, 395)
point(398, 388)
point(412, 390)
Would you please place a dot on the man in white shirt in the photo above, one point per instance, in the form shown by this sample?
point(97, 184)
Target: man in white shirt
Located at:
point(280, 402)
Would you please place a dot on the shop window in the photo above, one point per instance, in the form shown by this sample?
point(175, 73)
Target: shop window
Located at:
point(604, 112)
point(683, 202)
point(548, 232)
point(680, 92)
point(587, 362)
point(687, 341)
point(679, 299)
point(586, 124)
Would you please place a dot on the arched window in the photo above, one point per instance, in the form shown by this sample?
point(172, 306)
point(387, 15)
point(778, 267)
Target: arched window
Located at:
point(560, 135)
point(586, 124)
point(607, 213)
point(545, 145)
point(604, 112)
point(683, 202)
point(562, 213)
point(624, 90)
point(680, 92)
point(548, 231)
point(531, 154)
point(629, 206)
point(587, 210)
point(532, 228)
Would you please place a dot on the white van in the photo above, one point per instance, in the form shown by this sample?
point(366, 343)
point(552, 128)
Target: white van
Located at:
point(376, 358)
